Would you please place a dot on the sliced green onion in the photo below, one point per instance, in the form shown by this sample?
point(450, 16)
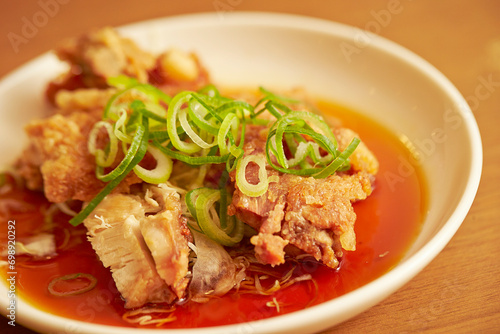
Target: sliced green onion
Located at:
point(189, 159)
point(230, 122)
point(209, 90)
point(273, 103)
point(305, 149)
point(282, 124)
point(122, 82)
point(120, 129)
point(161, 173)
point(294, 127)
point(102, 159)
point(240, 108)
point(191, 133)
point(322, 140)
point(129, 85)
point(200, 116)
point(252, 190)
point(140, 137)
point(340, 160)
point(200, 203)
point(129, 156)
point(153, 113)
point(173, 109)
point(268, 95)
point(72, 284)
point(313, 121)
point(235, 156)
point(190, 200)
point(227, 225)
point(209, 104)
point(159, 135)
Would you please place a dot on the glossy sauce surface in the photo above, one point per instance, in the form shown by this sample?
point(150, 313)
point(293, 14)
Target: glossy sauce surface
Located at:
point(387, 223)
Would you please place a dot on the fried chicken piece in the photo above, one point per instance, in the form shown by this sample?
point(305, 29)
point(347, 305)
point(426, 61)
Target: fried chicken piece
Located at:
point(314, 215)
point(102, 54)
point(58, 151)
point(58, 162)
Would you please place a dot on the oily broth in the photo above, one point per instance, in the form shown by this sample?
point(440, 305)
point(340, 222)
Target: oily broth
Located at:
point(387, 223)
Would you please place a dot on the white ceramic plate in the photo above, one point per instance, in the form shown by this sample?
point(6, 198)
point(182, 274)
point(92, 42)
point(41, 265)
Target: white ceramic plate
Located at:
point(341, 63)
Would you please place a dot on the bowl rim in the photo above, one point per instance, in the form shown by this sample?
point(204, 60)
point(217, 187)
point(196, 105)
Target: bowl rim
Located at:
point(312, 318)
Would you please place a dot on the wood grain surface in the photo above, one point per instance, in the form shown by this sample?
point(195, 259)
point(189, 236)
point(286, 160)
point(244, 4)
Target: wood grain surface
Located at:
point(459, 292)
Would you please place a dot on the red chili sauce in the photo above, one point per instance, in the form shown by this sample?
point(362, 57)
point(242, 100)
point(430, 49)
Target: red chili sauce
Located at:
point(387, 223)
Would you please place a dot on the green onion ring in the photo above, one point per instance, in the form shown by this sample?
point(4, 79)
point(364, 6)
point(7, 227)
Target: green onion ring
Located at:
point(204, 202)
point(161, 173)
point(92, 281)
point(252, 190)
point(173, 109)
point(182, 116)
point(340, 160)
point(230, 121)
point(101, 158)
point(129, 156)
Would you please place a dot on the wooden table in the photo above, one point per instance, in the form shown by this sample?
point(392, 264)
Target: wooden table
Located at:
point(459, 292)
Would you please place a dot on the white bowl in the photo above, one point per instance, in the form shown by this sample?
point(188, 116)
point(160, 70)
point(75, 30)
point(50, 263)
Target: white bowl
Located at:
point(344, 64)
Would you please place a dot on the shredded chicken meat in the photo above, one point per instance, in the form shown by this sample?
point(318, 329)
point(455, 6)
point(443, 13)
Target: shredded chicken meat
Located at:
point(143, 239)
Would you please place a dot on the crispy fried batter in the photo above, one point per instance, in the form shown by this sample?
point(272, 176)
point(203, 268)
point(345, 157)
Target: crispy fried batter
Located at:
point(58, 149)
point(92, 100)
point(57, 160)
